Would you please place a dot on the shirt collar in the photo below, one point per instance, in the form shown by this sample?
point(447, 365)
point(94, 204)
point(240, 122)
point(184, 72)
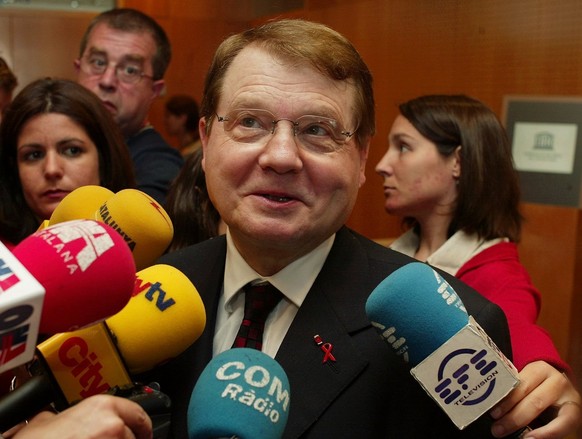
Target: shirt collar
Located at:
point(450, 256)
point(294, 281)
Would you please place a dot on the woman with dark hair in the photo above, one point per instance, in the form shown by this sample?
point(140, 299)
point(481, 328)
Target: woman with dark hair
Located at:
point(192, 213)
point(449, 174)
point(55, 137)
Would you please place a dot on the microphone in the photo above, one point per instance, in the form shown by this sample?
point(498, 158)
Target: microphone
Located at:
point(53, 282)
point(21, 297)
point(242, 393)
point(85, 268)
point(137, 217)
point(425, 322)
point(176, 318)
point(162, 319)
point(81, 203)
point(141, 221)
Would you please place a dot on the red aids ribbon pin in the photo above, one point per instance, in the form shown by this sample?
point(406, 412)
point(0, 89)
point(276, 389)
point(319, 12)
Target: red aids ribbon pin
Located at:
point(325, 347)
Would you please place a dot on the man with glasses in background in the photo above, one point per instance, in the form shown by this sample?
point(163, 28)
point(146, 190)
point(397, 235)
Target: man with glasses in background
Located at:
point(122, 59)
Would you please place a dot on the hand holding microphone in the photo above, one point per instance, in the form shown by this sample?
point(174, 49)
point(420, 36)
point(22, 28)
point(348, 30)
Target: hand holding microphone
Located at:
point(419, 314)
point(161, 320)
point(242, 393)
point(102, 416)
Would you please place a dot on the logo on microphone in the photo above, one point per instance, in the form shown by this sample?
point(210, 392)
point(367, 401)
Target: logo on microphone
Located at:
point(78, 243)
point(466, 377)
point(7, 277)
point(84, 365)
point(84, 362)
point(389, 336)
point(154, 290)
point(110, 221)
point(14, 329)
point(14, 321)
point(255, 387)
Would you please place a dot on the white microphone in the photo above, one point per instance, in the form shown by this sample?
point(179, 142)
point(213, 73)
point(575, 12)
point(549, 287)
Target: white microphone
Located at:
point(21, 299)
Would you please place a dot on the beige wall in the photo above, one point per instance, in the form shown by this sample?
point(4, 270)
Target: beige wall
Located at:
point(41, 44)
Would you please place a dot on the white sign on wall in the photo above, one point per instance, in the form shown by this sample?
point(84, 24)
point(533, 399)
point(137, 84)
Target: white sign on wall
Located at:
point(544, 147)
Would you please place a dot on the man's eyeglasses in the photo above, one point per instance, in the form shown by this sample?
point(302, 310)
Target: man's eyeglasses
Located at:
point(315, 133)
point(126, 72)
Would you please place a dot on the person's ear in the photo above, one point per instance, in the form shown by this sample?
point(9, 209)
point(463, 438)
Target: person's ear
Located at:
point(363, 153)
point(457, 162)
point(158, 88)
point(202, 130)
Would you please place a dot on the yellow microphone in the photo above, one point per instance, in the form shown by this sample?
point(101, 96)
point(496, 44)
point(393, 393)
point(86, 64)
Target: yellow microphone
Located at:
point(175, 318)
point(141, 221)
point(82, 203)
point(43, 225)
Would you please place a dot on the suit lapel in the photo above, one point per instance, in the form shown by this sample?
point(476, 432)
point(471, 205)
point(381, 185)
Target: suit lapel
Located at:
point(327, 313)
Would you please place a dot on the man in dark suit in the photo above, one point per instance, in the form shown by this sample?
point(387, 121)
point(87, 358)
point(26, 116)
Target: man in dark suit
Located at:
point(287, 118)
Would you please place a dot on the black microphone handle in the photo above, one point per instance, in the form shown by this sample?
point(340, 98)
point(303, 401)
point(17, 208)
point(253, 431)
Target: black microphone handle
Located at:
point(25, 401)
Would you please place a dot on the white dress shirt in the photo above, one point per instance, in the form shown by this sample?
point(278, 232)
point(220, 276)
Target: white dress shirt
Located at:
point(294, 281)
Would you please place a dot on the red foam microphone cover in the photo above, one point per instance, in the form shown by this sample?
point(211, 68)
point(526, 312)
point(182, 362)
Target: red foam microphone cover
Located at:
point(86, 268)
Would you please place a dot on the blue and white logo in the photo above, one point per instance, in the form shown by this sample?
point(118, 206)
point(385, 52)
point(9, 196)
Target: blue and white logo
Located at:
point(466, 377)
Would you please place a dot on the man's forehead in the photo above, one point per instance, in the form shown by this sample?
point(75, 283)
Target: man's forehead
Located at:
point(256, 68)
point(104, 39)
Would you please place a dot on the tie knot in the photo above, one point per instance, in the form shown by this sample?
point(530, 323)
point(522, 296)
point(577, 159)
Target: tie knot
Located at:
point(260, 299)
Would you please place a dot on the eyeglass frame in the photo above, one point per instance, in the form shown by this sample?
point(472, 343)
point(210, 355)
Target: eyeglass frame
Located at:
point(294, 123)
point(84, 60)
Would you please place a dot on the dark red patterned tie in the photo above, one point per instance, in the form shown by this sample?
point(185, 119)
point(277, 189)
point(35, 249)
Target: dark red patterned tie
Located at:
point(260, 299)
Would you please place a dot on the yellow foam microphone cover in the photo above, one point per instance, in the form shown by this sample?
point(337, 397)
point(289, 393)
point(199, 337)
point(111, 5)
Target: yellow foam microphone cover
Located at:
point(143, 223)
point(82, 203)
point(163, 318)
point(43, 225)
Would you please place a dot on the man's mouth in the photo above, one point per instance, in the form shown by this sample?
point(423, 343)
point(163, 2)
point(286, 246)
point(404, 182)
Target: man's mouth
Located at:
point(277, 198)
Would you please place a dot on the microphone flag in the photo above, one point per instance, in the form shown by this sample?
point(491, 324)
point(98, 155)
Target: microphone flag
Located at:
point(425, 322)
point(21, 301)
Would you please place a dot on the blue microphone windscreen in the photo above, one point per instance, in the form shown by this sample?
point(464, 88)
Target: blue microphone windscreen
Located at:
point(242, 392)
point(415, 310)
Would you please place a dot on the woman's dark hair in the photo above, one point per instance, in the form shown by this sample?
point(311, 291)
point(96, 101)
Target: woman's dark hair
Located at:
point(194, 216)
point(488, 196)
point(61, 96)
